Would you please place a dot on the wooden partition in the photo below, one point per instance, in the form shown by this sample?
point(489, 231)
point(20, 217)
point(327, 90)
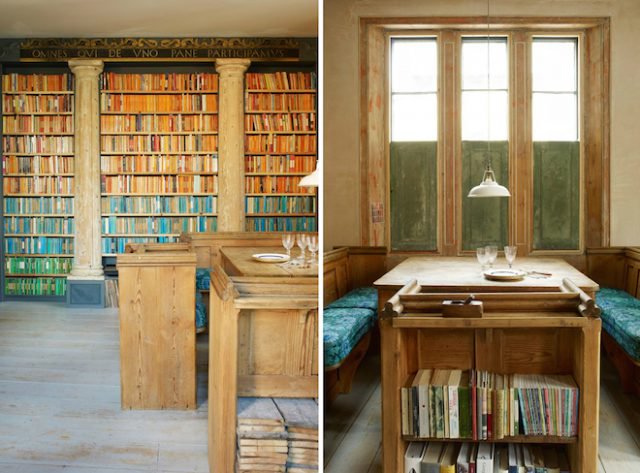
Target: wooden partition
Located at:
point(207, 245)
point(157, 327)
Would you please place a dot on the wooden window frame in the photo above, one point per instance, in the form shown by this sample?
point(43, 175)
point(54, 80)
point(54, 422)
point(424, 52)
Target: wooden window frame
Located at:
point(594, 122)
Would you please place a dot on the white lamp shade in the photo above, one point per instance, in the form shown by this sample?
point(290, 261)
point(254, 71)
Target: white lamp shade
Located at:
point(489, 187)
point(310, 180)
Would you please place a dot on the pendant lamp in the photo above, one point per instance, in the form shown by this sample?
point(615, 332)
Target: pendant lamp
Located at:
point(489, 187)
point(310, 180)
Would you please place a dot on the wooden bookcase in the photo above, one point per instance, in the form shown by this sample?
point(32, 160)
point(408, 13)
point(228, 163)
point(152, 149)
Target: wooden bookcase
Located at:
point(522, 332)
point(280, 149)
point(37, 163)
point(159, 161)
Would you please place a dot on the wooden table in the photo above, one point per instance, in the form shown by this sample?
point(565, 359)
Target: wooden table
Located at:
point(521, 336)
point(263, 340)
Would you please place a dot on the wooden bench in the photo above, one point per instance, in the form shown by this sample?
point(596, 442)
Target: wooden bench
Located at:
point(346, 269)
point(628, 366)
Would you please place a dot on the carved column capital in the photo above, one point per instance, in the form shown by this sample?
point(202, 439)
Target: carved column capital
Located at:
point(232, 67)
point(86, 67)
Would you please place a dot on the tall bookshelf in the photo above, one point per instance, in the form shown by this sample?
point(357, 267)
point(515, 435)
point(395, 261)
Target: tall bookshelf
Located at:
point(280, 149)
point(37, 164)
point(159, 161)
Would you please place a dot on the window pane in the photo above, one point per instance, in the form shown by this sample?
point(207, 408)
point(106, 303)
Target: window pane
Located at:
point(474, 116)
point(414, 65)
point(554, 65)
point(475, 63)
point(414, 117)
point(555, 117)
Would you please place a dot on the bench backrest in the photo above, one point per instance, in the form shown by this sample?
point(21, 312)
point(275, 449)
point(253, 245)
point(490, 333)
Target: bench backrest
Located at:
point(632, 272)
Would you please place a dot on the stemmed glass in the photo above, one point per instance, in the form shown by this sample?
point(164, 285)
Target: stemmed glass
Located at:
point(287, 242)
point(510, 254)
point(481, 254)
point(492, 254)
point(312, 243)
point(301, 241)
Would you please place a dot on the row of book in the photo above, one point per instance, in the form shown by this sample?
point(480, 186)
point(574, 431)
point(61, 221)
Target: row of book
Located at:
point(274, 185)
point(157, 225)
point(181, 184)
point(479, 405)
point(204, 81)
point(448, 457)
point(12, 104)
point(35, 286)
point(275, 164)
point(158, 143)
point(38, 205)
point(280, 122)
point(37, 164)
point(38, 185)
point(55, 225)
point(48, 265)
point(15, 82)
point(160, 204)
point(159, 163)
point(37, 144)
point(135, 103)
point(115, 245)
point(281, 224)
point(280, 204)
point(155, 123)
point(281, 80)
point(280, 102)
point(37, 124)
point(38, 245)
point(280, 143)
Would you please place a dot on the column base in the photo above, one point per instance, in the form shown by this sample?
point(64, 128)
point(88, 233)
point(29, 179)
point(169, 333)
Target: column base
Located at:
point(85, 292)
point(85, 273)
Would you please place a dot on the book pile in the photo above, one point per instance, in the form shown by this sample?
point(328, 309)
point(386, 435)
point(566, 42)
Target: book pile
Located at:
point(443, 457)
point(479, 405)
point(277, 435)
point(262, 437)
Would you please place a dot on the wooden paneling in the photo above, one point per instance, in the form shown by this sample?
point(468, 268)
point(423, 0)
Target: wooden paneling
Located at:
point(556, 196)
point(207, 245)
point(366, 264)
point(458, 344)
point(484, 221)
point(414, 196)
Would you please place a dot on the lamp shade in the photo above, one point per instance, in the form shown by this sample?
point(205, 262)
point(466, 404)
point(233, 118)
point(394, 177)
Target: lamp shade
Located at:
point(489, 187)
point(310, 180)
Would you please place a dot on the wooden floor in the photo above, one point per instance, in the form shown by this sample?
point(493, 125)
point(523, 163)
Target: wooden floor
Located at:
point(352, 426)
point(60, 400)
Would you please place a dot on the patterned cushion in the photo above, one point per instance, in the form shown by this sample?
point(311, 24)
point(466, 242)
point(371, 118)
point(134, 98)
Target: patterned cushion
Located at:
point(201, 312)
point(203, 278)
point(362, 298)
point(621, 319)
point(343, 329)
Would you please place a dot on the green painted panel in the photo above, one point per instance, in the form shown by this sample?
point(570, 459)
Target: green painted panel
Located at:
point(484, 220)
point(414, 196)
point(556, 195)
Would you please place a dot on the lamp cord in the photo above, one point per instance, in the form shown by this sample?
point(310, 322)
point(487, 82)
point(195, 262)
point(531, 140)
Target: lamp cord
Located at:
point(488, 161)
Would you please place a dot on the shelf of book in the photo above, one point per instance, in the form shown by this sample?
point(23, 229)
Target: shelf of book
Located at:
point(159, 156)
point(37, 159)
point(280, 149)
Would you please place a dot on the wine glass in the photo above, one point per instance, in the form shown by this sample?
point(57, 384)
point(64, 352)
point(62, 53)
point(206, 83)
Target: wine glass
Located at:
point(510, 254)
point(287, 242)
point(492, 254)
point(301, 241)
point(312, 243)
point(481, 254)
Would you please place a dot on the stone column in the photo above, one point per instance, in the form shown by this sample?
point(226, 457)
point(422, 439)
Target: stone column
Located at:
point(87, 262)
point(231, 144)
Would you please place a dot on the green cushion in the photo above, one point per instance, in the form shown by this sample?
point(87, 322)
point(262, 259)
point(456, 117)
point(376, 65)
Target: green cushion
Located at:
point(361, 298)
point(621, 319)
point(343, 329)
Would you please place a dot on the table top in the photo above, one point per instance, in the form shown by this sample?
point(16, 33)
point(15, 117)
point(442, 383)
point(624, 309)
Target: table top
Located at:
point(462, 272)
point(238, 261)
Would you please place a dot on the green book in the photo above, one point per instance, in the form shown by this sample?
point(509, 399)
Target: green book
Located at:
point(464, 403)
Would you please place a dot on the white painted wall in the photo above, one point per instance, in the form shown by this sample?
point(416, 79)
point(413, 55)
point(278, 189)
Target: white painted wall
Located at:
point(342, 89)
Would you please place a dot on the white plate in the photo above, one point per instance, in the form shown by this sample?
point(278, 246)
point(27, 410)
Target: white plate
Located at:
point(504, 274)
point(270, 257)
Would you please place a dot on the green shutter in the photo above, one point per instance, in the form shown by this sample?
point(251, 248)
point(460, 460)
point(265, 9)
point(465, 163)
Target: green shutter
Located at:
point(556, 195)
point(484, 220)
point(414, 196)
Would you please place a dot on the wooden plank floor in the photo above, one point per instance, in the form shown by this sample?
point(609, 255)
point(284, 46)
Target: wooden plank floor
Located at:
point(352, 425)
point(60, 399)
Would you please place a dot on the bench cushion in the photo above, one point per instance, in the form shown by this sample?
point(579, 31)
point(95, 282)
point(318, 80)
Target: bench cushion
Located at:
point(362, 298)
point(621, 319)
point(203, 278)
point(343, 329)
